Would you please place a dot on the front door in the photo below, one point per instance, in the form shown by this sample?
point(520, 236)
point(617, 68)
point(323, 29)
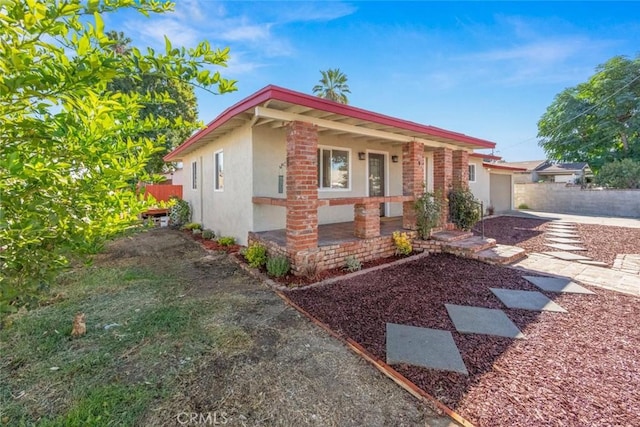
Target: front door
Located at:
point(376, 177)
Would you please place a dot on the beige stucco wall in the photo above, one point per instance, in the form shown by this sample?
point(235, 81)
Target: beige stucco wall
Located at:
point(228, 212)
point(501, 191)
point(481, 187)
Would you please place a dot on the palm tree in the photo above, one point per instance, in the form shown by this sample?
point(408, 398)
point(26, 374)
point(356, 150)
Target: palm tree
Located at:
point(333, 85)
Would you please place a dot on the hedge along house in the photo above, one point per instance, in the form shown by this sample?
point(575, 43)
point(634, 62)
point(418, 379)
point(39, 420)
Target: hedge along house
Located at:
point(311, 178)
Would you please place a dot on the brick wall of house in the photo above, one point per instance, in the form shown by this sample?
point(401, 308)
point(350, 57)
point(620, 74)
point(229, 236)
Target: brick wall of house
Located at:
point(302, 186)
point(443, 177)
point(334, 256)
point(412, 180)
point(460, 172)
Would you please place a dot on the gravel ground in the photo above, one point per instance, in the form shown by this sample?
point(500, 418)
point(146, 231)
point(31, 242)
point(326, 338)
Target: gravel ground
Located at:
point(603, 243)
point(580, 368)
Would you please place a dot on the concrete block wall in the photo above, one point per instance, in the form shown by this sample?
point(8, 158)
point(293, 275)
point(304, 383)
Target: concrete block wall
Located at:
point(571, 199)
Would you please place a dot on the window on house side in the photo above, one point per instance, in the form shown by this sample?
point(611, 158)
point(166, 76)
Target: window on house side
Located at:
point(333, 168)
point(194, 175)
point(472, 173)
point(219, 171)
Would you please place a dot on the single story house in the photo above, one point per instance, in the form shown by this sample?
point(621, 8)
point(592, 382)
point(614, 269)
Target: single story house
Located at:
point(547, 171)
point(281, 166)
point(491, 182)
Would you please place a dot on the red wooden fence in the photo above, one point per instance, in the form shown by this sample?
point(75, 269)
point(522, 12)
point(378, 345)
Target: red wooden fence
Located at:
point(162, 192)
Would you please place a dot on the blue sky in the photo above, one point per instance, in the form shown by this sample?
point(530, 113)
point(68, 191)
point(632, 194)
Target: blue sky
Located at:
point(487, 69)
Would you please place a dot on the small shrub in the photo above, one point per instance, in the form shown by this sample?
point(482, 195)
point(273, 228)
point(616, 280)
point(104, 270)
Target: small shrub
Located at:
point(226, 240)
point(523, 206)
point(402, 242)
point(179, 212)
point(196, 231)
point(256, 255)
point(278, 266)
point(490, 210)
point(208, 234)
point(351, 263)
point(192, 226)
point(428, 211)
point(464, 209)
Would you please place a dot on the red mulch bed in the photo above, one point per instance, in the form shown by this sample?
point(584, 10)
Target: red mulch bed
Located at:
point(580, 368)
point(603, 243)
point(297, 281)
point(212, 244)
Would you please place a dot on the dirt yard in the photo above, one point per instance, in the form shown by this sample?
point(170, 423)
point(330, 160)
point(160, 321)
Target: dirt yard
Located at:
point(230, 350)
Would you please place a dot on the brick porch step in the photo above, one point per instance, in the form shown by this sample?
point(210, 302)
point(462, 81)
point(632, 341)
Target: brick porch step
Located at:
point(468, 246)
point(501, 254)
point(451, 235)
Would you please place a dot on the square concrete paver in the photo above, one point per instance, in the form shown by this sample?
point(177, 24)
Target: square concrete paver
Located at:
point(563, 240)
point(565, 247)
point(562, 234)
point(557, 284)
point(429, 348)
point(478, 320)
point(567, 256)
point(526, 300)
point(562, 227)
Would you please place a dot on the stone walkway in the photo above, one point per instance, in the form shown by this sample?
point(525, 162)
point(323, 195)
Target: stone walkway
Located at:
point(436, 349)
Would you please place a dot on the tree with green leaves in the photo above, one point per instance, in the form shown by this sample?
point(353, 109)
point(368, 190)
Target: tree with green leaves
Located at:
point(72, 149)
point(169, 98)
point(333, 85)
point(597, 121)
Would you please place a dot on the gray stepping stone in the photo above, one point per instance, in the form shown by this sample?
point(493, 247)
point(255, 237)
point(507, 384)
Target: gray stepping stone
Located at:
point(561, 227)
point(567, 256)
point(567, 235)
point(429, 348)
point(565, 247)
point(557, 284)
point(526, 300)
point(563, 240)
point(478, 320)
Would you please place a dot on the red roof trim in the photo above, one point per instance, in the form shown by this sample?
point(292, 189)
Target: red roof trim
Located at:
point(287, 95)
point(503, 167)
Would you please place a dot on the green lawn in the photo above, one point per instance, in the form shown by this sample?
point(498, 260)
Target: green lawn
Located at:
point(111, 375)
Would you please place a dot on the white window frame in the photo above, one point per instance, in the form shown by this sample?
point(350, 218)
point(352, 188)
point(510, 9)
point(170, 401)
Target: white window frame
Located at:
point(349, 159)
point(472, 166)
point(194, 175)
point(216, 187)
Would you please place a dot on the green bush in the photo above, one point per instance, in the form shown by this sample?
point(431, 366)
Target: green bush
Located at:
point(623, 173)
point(523, 206)
point(179, 212)
point(351, 263)
point(428, 211)
point(192, 226)
point(227, 240)
point(464, 209)
point(256, 255)
point(208, 234)
point(278, 266)
point(402, 242)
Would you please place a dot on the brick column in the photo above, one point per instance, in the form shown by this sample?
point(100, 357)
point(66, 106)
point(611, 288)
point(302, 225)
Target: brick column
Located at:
point(443, 178)
point(302, 187)
point(460, 161)
point(367, 220)
point(412, 180)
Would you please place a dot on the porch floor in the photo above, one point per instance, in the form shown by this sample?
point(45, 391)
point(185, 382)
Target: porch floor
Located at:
point(333, 234)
